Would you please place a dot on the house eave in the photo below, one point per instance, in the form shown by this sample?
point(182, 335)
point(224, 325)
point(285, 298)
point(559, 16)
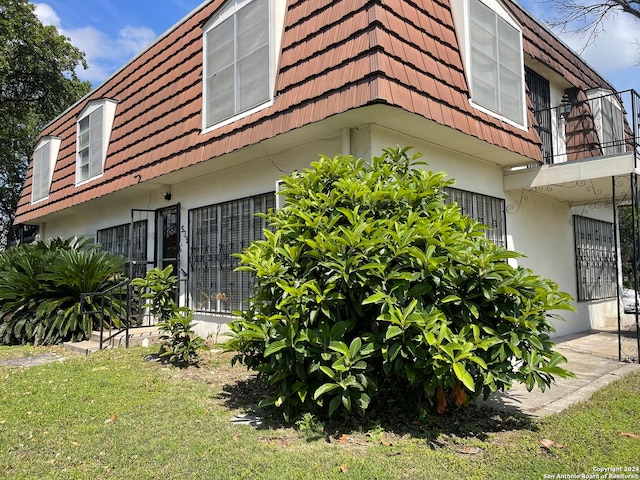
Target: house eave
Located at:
point(576, 182)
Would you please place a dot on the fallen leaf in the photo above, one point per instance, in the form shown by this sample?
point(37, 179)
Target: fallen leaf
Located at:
point(470, 450)
point(344, 438)
point(549, 444)
point(630, 435)
point(385, 442)
point(75, 444)
point(344, 468)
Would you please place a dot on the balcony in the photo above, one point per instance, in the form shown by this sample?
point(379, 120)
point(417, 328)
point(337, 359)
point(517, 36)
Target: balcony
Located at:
point(589, 139)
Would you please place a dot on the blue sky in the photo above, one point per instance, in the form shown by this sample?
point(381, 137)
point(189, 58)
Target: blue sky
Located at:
point(111, 32)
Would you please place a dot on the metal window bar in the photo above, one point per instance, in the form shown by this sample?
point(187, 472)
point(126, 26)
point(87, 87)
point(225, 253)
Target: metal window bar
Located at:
point(595, 258)
point(216, 233)
point(487, 210)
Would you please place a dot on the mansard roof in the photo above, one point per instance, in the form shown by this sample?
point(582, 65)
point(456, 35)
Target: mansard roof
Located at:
point(336, 56)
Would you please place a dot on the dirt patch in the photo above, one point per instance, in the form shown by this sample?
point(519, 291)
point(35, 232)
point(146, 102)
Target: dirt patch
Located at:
point(32, 360)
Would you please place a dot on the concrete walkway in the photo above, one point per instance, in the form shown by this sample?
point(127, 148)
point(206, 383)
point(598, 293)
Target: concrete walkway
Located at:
point(592, 356)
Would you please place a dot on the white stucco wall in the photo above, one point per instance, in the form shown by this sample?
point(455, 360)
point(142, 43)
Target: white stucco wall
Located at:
point(536, 225)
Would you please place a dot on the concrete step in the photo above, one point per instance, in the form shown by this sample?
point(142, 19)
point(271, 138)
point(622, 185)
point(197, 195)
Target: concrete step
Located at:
point(137, 336)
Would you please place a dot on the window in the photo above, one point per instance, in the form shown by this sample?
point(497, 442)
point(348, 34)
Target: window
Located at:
point(44, 159)
point(118, 240)
point(540, 96)
point(496, 63)
point(609, 118)
point(489, 211)
point(94, 129)
point(237, 60)
point(595, 258)
point(217, 232)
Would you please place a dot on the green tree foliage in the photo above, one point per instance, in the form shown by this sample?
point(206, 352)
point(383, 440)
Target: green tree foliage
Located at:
point(372, 290)
point(41, 285)
point(37, 83)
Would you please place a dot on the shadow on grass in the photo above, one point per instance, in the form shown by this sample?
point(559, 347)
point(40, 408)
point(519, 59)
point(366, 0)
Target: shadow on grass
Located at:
point(477, 422)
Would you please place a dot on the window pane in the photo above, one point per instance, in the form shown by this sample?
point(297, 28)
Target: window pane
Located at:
point(220, 94)
point(220, 52)
point(253, 79)
point(253, 27)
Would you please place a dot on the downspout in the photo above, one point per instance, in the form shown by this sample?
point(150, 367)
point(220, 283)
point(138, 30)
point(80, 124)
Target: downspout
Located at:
point(345, 146)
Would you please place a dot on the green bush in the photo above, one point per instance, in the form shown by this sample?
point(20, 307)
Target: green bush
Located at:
point(41, 285)
point(180, 344)
point(372, 290)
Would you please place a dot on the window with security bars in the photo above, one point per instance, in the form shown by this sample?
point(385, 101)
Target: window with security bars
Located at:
point(487, 210)
point(216, 232)
point(595, 258)
point(117, 240)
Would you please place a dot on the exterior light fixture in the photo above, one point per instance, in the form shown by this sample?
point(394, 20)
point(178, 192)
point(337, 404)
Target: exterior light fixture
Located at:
point(565, 105)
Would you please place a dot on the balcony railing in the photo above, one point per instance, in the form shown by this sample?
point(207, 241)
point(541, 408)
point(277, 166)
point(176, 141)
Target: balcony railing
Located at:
point(590, 125)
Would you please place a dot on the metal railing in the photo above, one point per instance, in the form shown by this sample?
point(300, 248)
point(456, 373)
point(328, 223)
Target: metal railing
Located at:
point(109, 310)
point(589, 125)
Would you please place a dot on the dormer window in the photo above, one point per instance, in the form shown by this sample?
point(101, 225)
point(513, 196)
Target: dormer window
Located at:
point(44, 160)
point(492, 41)
point(94, 129)
point(237, 60)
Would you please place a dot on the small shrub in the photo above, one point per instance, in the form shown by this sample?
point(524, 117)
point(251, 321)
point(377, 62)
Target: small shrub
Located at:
point(371, 291)
point(180, 344)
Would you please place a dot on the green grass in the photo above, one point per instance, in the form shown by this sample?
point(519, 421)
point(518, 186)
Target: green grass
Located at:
point(115, 415)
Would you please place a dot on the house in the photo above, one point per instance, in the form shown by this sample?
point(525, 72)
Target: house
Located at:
point(168, 160)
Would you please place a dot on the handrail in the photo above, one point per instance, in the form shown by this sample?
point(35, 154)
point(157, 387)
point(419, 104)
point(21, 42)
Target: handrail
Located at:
point(100, 312)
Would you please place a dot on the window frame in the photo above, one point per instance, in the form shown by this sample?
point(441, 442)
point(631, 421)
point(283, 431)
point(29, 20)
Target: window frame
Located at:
point(43, 166)
point(500, 14)
point(125, 247)
point(595, 257)
point(102, 111)
point(604, 104)
point(475, 205)
point(228, 11)
point(211, 259)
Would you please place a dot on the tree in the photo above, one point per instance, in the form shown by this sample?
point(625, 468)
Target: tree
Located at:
point(586, 17)
point(371, 289)
point(37, 82)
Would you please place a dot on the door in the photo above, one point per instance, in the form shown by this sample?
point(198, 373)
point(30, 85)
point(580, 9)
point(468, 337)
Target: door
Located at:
point(168, 238)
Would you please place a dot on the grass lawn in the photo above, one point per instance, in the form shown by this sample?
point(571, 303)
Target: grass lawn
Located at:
point(115, 414)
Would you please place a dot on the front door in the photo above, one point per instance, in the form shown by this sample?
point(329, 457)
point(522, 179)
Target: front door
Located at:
point(168, 238)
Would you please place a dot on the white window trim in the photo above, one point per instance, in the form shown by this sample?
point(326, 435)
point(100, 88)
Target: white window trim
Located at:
point(108, 116)
point(461, 12)
point(54, 149)
point(276, 24)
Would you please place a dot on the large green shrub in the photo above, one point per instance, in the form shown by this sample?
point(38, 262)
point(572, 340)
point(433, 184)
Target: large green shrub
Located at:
point(41, 285)
point(372, 290)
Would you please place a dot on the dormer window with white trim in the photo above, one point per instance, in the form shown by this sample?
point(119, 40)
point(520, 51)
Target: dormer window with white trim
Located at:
point(238, 60)
point(94, 129)
point(492, 41)
point(44, 160)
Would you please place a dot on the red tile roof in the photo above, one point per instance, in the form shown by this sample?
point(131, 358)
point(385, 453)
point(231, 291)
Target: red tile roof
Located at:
point(336, 55)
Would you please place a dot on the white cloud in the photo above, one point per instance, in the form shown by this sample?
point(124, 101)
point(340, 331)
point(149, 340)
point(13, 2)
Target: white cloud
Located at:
point(104, 53)
point(615, 49)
